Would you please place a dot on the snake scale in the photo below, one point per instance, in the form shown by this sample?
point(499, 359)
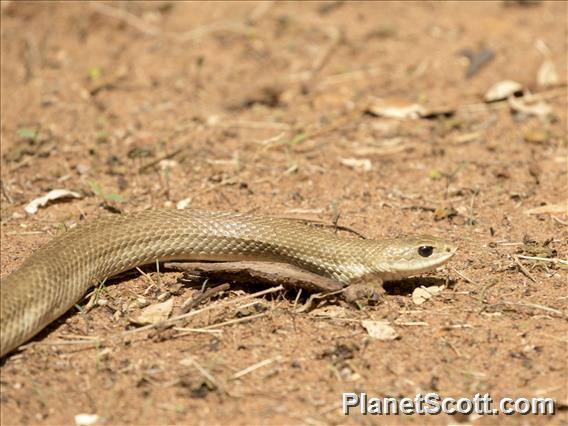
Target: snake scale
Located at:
point(58, 275)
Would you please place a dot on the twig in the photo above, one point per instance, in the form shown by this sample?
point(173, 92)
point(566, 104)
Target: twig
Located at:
point(26, 233)
point(314, 297)
point(452, 347)
point(207, 308)
point(335, 36)
point(205, 373)
point(337, 124)
point(560, 221)
point(411, 323)
point(347, 77)
point(523, 269)
point(95, 296)
point(189, 304)
point(502, 104)
point(148, 279)
point(543, 259)
point(253, 367)
point(259, 11)
point(469, 280)
point(213, 27)
point(455, 326)
point(5, 192)
point(125, 16)
point(471, 218)
point(481, 298)
point(236, 321)
point(187, 330)
point(157, 160)
point(151, 30)
point(247, 124)
point(297, 298)
point(536, 306)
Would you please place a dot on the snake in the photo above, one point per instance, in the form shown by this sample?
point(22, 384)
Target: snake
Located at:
point(57, 275)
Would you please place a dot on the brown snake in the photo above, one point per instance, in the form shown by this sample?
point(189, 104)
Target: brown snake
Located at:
point(58, 275)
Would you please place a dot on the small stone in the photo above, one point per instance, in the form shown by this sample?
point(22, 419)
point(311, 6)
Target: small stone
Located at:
point(86, 419)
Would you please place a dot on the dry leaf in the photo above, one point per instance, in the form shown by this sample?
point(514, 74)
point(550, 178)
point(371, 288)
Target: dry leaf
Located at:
point(154, 313)
point(183, 204)
point(503, 90)
point(561, 208)
point(539, 109)
point(394, 108)
point(359, 164)
point(547, 75)
point(86, 419)
point(422, 294)
point(55, 194)
point(380, 330)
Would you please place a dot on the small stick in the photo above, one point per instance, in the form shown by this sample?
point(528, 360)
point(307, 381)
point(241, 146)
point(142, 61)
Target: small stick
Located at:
point(523, 269)
point(481, 297)
point(187, 330)
point(259, 11)
point(412, 323)
point(253, 367)
point(314, 297)
point(297, 298)
point(469, 280)
point(207, 308)
point(536, 306)
point(148, 278)
point(452, 347)
point(325, 55)
point(206, 373)
point(95, 296)
point(560, 221)
point(255, 125)
point(77, 337)
point(5, 192)
point(157, 160)
point(501, 104)
point(471, 218)
point(455, 326)
point(543, 259)
point(26, 233)
point(125, 16)
point(236, 321)
point(189, 304)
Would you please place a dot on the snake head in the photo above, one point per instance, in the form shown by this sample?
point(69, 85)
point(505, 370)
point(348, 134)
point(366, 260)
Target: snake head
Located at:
point(412, 255)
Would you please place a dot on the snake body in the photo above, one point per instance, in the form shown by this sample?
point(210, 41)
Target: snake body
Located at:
point(58, 275)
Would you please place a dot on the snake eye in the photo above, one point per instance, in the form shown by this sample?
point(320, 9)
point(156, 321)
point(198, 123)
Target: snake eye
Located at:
point(425, 251)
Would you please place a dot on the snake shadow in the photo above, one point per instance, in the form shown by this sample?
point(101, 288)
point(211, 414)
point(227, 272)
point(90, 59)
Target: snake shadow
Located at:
point(403, 287)
point(406, 286)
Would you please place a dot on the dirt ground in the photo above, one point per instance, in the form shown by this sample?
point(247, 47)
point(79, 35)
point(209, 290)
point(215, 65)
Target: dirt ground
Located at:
point(278, 108)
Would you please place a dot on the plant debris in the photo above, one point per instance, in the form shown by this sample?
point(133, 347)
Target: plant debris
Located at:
point(380, 330)
point(55, 194)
